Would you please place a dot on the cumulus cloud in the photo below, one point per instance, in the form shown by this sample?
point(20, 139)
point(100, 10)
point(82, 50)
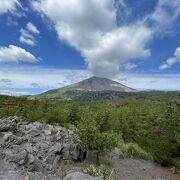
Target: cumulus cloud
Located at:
point(90, 27)
point(28, 34)
point(172, 60)
point(9, 6)
point(15, 54)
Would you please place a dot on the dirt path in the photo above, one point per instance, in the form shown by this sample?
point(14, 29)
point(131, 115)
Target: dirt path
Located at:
point(128, 169)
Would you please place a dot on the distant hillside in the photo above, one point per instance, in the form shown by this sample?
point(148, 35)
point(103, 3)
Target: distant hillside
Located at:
point(94, 86)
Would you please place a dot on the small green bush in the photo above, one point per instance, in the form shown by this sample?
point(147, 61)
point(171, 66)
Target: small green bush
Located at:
point(100, 171)
point(66, 162)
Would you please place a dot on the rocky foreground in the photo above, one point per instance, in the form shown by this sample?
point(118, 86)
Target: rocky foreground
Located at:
point(35, 151)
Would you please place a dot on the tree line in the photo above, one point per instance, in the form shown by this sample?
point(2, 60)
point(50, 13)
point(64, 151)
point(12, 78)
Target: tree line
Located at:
point(152, 123)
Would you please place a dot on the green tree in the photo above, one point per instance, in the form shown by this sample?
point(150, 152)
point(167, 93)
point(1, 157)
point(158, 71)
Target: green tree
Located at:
point(103, 119)
point(162, 140)
point(74, 115)
point(93, 139)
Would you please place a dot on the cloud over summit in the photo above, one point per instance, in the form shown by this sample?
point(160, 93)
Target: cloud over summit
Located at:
point(91, 28)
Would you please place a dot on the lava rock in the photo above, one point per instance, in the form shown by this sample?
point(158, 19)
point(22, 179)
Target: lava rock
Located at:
point(19, 158)
point(37, 148)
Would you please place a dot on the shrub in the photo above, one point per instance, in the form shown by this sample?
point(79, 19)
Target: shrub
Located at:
point(99, 172)
point(66, 162)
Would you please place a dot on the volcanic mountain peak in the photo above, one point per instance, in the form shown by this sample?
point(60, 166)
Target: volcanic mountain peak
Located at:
point(99, 84)
point(93, 84)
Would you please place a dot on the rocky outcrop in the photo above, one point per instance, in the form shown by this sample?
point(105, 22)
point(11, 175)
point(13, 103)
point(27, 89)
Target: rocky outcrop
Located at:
point(116, 153)
point(36, 149)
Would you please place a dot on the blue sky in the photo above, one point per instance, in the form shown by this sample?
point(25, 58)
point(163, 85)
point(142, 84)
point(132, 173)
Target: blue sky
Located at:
point(47, 44)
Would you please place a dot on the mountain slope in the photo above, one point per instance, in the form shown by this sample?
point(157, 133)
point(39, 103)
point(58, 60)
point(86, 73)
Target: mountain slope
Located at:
point(91, 86)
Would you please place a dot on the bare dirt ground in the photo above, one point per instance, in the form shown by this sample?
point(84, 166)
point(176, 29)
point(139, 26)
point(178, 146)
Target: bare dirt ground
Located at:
point(132, 169)
point(129, 169)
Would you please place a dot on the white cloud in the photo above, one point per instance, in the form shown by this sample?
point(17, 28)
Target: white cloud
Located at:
point(90, 27)
point(27, 34)
point(27, 38)
point(32, 28)
point(130, 66)
point(163, 66)
point(14, 54)
point(172, 60)
point(165, 15)
point(9, 6)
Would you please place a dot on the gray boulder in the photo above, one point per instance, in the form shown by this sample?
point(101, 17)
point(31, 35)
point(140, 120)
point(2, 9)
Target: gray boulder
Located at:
point(8, 124)
point(116, 153)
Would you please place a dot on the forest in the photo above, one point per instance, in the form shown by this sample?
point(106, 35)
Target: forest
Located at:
point(146, 126)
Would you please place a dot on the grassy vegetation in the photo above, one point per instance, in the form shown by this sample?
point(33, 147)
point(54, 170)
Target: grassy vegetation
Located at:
point(147, 122)
point(132, 150)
